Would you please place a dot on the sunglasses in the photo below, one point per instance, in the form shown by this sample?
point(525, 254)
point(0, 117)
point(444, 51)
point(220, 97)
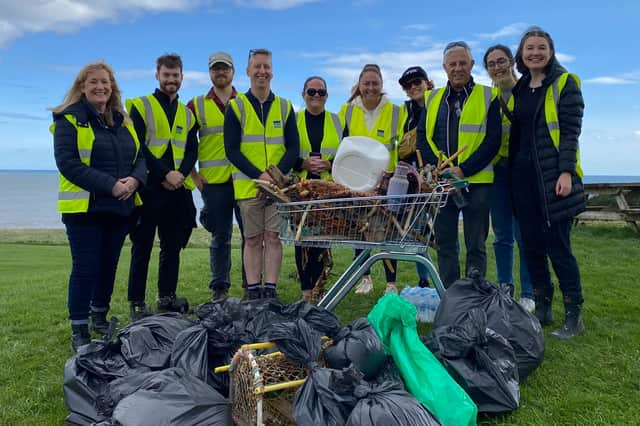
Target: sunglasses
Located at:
point(412, 83)
point(253, 52)
point(320, 92)
point(457, 44)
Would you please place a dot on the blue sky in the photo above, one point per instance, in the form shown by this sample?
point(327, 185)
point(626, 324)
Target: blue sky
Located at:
point(43, 44)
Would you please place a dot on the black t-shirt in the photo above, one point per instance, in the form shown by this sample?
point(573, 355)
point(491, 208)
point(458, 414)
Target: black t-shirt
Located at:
point(525, 108)
point(315, 131)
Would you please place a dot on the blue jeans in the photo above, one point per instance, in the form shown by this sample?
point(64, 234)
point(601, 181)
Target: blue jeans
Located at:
point(505, 229)
point(95, 242)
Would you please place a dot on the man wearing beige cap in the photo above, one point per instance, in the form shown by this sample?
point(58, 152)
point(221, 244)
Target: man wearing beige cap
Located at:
point(213, 177)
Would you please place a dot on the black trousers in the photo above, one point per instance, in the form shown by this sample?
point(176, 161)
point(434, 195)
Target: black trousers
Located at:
point(310, 271)
point(172, 213)
point(475, 217)
point(543, 241)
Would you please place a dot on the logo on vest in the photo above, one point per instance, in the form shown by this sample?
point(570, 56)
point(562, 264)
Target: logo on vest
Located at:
point(380, 133)
point(178, 129)
point(277, 124)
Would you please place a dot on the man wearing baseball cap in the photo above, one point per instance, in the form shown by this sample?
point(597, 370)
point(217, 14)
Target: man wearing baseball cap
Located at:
point(213, 177)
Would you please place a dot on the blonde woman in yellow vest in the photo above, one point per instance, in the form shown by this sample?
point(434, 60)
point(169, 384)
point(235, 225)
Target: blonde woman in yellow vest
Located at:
point(320, 134)
point(259, 131)
point(498, 61)
point(168, 131)
point(213, 177)
point(368, 112)
point(462, 114)
point(98, 157)
point(546, 176)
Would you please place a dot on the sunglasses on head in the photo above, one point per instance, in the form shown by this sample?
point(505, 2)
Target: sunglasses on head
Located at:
point(312, 92)
point(408, 85)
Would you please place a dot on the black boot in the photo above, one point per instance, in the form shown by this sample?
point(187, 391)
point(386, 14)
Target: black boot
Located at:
point(172, 303)
point(139, 310)
point(543, 307)
point(98, 322)
point(573, 325)
point(79, 336)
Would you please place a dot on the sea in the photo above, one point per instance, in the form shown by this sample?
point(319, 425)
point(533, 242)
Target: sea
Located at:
point(28, 197)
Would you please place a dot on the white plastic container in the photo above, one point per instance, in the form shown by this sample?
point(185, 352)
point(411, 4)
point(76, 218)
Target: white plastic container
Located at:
point(359, 163)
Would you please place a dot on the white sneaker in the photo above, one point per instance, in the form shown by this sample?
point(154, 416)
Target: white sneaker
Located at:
point(365, 286)
point(528, 304)
point(391, 288)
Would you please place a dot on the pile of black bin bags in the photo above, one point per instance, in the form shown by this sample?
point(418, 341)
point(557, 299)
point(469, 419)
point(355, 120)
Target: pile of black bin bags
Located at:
point(487, 342)
point(159, 370)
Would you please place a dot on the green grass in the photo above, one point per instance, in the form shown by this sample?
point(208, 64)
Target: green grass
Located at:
point(592, 380)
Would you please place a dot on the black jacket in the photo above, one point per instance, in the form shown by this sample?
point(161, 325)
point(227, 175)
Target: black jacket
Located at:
point(113, 157)
point(549, 162)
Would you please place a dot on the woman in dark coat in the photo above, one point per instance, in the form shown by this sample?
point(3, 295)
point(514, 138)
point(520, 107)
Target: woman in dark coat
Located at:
point(546, 176)
point(98, 156)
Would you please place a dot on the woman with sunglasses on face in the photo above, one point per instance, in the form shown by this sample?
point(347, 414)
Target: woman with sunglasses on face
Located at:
point(546, 176)
point(98, 156)
point(414, 81)
point(369, 112)
point(498, 61)
point(320, 133)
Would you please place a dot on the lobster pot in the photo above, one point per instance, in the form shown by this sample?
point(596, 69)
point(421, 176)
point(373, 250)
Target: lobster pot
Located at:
point(262, 388)
point(399, 222)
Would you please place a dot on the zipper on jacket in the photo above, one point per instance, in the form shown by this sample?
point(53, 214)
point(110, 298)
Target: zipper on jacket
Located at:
point(537, 161)
point(264, 135)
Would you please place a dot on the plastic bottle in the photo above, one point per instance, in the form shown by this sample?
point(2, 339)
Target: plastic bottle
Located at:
point(398, 185)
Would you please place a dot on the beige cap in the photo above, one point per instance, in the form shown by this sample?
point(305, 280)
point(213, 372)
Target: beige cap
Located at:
point(222, 57)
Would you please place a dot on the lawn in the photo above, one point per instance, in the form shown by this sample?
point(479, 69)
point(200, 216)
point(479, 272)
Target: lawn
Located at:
point(592, 380)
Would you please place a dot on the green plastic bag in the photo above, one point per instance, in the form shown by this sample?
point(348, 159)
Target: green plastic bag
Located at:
point(394, 319)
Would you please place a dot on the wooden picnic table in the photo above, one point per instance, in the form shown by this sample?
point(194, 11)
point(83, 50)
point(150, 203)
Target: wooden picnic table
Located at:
point(626, 207)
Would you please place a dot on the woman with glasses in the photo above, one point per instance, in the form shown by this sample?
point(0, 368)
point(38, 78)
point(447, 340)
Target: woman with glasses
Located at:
point(98, 155)
point(369, 112)
point(320, 133)
point(546, 176)
point(498, 61)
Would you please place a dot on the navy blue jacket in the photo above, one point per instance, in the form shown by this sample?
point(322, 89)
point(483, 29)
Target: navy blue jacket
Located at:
point(233, 132)
point(447, 124)
point(113, 157)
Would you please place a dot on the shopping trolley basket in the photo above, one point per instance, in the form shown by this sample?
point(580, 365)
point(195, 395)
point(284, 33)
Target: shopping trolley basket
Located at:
point(399, 226)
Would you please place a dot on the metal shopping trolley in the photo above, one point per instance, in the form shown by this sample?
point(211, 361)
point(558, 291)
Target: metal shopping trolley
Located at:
point(399, 227)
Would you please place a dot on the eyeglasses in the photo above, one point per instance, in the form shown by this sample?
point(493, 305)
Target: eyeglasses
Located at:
point(498, 62)
point(260, 51)
point(320, 92)
point(412, 83)
point(456, 44)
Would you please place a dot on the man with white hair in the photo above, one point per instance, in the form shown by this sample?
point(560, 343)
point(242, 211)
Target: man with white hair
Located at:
point(462, 116)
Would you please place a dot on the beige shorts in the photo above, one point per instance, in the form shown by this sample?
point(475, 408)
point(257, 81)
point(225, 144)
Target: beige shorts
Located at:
point(258, 217)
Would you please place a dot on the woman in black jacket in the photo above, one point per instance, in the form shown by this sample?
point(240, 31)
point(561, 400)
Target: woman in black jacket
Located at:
point(547, 185)
point(97, 154)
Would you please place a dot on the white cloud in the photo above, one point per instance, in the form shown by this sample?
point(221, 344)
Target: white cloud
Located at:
point(510, 30)
point(620, 79)
point(418, 27)
point(27, 16)
point(565, 58)
point(636, 133)
point(273, 4)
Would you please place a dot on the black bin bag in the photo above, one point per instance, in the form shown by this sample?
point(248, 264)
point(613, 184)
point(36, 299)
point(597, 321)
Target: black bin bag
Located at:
point(480, 360)
point(388, 404)
point(359, 344)
point(505, 316)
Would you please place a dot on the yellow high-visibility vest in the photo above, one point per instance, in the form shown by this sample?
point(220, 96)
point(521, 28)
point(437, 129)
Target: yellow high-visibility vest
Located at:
point(331, 137)
point(551, 99)
point(212, 158)
point(71, 197)
point(387, 129)
point(471, 129)
point(159, 136)
point(262, 145)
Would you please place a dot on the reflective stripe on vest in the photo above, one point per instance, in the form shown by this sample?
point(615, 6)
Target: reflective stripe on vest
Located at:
point(71, 197)
point(331, 137)
point(551, 99)
point(159, 136)
point(212, 158)
point(262, 145)
point(472, 127)
point(386, 129)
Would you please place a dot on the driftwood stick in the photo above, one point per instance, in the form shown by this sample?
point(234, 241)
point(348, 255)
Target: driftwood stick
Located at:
point(302, 221)
point(455, 155)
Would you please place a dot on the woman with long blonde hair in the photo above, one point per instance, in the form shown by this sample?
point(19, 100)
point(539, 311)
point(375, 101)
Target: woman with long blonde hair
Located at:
point(98, 156)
